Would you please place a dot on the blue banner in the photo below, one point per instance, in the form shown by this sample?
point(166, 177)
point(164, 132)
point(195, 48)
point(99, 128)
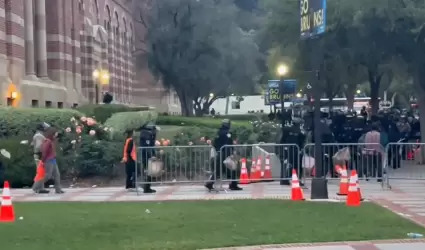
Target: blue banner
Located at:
point(312, 18)
point(274, 90)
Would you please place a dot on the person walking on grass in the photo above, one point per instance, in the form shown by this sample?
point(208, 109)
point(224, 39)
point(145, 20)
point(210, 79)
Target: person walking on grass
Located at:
point(48, 158)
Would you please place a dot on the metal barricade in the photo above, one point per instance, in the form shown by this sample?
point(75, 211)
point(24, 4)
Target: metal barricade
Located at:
point(174, 164)
point(264, 162)
point(367, 159)
point(406, 161)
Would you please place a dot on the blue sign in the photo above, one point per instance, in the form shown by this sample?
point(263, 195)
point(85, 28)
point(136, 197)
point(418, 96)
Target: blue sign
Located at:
point(312, 18)
point(274, 90)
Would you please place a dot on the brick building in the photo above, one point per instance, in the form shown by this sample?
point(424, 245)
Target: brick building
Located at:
point(49, 50)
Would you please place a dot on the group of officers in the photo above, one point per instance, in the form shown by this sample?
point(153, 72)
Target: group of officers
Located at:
point(340, 127)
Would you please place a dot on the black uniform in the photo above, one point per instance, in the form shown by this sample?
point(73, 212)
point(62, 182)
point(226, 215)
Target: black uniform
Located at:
point(223, 138)
point(147, 143)
point(290, 157)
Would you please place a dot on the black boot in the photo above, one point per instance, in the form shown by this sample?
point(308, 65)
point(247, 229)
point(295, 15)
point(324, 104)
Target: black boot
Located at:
point(234, 186)
point(148, 190)
point(209, 186)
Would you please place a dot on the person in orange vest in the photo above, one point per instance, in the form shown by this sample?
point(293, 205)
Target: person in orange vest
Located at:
point(129, 159)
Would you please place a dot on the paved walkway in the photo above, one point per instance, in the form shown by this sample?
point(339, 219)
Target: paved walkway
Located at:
point(373, 245)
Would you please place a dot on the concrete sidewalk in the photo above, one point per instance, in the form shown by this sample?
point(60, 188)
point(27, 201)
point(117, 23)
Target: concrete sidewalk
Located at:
point(364, 245)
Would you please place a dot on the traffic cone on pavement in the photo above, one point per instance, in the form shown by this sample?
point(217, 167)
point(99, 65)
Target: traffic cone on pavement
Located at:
point(353, 198)
point(256, 170)
point(7, 213)
point(267, 171)
point(253, 170)
point(296, 191)
point(358, 188)
point(244, 178)
point(343, 184)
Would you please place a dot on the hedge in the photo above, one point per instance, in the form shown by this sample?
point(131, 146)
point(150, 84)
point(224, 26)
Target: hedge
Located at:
point(120, 122)
point(23, 121)
point(102, 112)
point(197, 121)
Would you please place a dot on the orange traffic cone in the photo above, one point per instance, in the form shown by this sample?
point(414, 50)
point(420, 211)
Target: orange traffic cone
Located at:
point(296, 191)
point(343, 184)
point(259, 170)
point(244, 178)
point(253, 170)
point(339, 169)
point(353, 198)
point(358, 188)
point(256, 171)
point(7, 213)
point(267, 171)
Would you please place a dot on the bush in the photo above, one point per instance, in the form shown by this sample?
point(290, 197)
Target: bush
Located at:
point(23, 121)
point(102, 112)
point(121, 122)
point(243, 117)
point(197, 121)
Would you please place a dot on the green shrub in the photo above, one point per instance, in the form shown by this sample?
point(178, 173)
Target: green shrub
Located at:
point(197, 121)
point(23, 121)
point(120, 122)
point(243, 117)
point(103, 112)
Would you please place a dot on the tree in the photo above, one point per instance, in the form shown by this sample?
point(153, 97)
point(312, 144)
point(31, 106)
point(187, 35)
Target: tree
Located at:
point(197, 49)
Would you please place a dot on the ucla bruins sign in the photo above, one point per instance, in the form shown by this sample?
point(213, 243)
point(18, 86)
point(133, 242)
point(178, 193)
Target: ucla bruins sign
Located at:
point(312, 18)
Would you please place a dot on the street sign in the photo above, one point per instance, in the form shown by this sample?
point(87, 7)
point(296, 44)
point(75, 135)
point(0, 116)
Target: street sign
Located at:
point(312, 18)
point(274, 90)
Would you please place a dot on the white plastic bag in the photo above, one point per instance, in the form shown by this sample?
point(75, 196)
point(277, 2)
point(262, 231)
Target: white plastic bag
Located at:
point(308, 162)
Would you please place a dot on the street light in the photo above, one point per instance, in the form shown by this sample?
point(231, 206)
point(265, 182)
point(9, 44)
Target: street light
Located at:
point(282, 70)
point(101, 77)
point(358, 91)
point(299, 95)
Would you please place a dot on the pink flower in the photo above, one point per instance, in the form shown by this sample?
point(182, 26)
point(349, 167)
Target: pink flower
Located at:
point(92, 132)
point(78, 129)
point(166, 143)
point(157, 143)
point(91, 121)
point(235, 142)
point(202, 139)
point(68, 130)
point(83, 119)
point(209, 142)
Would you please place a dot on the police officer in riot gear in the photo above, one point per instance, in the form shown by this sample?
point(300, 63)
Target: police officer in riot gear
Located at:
point(147, 143)
point(290, 157)
point(223, 138)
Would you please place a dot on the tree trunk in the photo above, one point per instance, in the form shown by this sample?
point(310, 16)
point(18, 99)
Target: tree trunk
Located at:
point(350, 99)
point(375, 83)
point(186, 103)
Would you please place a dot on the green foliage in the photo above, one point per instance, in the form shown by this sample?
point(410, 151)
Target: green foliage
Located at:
point(19, 170)
point(23, 121)
point(197, 121)
point(121, 122)
point(101, 112)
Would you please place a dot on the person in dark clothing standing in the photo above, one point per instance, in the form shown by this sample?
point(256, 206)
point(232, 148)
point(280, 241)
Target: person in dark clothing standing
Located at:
point(147, 144)
point(289, 156)
point(223, 138)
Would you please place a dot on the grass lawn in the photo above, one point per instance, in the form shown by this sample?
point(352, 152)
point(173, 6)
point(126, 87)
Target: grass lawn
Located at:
point(194, 225)
point(168, 131)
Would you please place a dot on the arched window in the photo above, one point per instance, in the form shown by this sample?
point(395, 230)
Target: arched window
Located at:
point(117, 22)
point(107, 22)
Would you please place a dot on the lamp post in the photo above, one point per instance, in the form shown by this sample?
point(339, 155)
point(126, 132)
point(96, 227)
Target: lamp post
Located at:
point(282, 71)
point(100, 77)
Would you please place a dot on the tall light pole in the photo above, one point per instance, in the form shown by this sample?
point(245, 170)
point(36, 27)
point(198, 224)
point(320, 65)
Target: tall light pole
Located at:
point(100, 77)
